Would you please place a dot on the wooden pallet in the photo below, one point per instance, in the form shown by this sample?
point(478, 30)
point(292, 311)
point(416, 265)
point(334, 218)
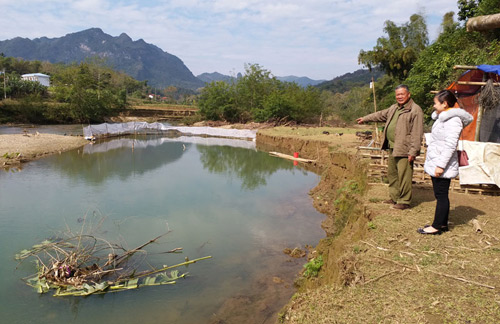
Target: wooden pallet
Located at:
point(377, 173)
point(477, 189)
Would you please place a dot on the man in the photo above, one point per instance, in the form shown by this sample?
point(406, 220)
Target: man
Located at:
point(402, 137)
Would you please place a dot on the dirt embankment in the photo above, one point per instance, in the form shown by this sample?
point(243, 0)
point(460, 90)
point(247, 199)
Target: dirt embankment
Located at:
point(377, 268)
point(18, 148)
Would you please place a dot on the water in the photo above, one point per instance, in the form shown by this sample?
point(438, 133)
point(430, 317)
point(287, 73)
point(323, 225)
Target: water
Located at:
point(219, 198)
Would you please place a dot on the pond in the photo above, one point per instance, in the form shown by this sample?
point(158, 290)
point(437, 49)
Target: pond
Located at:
point(219, 197)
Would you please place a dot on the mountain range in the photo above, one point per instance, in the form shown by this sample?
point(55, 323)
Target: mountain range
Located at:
point(215, 76)
point(138, 59)
point(345, 82)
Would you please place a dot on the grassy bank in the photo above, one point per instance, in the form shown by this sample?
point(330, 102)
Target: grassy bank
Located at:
point(376, 267)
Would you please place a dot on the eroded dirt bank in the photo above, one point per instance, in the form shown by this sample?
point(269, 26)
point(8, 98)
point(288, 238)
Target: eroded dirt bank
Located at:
point(378, 269)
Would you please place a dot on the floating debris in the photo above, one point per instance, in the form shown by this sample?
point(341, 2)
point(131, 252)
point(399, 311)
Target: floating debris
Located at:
point(84, 264)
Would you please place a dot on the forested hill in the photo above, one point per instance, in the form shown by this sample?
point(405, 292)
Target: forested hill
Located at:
point(348, 81)
point(215, 76)
point(138, 59)
point(301, 81)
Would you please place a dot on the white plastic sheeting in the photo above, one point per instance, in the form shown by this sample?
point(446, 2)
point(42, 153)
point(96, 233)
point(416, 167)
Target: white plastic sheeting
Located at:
point(131, 143)
point(104, 130)
point(484, 163)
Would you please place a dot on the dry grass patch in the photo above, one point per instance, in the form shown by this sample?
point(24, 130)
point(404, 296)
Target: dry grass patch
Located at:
point(412, 278)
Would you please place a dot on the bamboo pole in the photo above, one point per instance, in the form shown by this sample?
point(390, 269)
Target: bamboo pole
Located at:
point(478, 83)
point(465, 67)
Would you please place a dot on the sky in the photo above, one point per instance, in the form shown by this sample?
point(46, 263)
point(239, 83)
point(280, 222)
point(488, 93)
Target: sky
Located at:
point(320, 39)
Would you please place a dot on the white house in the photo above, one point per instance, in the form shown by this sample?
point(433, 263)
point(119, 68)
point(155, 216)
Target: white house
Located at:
point(44, 79)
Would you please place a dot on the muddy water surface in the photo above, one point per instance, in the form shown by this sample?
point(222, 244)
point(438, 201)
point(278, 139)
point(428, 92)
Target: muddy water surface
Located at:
point(219, 198)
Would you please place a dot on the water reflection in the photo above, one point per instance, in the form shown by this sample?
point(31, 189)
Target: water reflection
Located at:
point(119, 158)
point(124, 157)
point(239, 162)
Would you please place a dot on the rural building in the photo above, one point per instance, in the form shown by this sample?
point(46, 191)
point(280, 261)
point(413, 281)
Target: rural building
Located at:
point(44, 79)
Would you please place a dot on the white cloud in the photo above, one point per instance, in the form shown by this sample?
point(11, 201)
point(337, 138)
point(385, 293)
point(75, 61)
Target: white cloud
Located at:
point(318, 38)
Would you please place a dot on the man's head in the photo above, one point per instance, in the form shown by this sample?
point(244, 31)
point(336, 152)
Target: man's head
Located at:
point(402, 94)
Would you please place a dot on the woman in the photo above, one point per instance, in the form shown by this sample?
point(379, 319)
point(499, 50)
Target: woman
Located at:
point(441, 161)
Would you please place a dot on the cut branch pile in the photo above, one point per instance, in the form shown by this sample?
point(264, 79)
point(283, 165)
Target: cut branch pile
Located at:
point(83, 264)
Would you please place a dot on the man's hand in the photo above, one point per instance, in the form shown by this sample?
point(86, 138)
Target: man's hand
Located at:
point(438, 172)
point(360, 120)
point(411, 158)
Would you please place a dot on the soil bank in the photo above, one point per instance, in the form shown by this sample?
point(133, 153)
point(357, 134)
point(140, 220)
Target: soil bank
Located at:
point(18, 148)
point(377, 268)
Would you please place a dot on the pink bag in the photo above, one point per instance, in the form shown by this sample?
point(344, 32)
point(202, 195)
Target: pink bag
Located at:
point(463, 159)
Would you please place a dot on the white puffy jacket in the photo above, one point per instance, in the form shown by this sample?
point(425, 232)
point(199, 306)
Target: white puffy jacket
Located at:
point(441, 151)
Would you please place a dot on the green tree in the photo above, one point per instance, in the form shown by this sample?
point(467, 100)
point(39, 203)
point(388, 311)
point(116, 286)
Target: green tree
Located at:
point(259, 96)
point(252, 89)
point(455, 46)
point(467, 9)
point(216, 101)
point(396, 53)
point(488, 7)
point(90, 90)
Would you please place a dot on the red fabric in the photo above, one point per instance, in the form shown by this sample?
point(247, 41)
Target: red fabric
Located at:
point(467, 97)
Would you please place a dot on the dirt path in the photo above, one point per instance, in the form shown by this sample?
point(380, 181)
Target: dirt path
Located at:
point(18, 148)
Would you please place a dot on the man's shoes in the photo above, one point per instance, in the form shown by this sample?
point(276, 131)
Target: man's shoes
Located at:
point(389, 201)
point(422, 231)
point(400, 206)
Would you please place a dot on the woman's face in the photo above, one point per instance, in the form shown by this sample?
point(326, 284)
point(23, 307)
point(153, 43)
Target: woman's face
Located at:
point(440, 107)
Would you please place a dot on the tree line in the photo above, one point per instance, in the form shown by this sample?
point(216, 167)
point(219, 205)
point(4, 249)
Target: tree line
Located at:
point(259, 96)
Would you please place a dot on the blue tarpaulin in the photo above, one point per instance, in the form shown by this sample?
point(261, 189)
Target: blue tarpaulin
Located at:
point(489, 68)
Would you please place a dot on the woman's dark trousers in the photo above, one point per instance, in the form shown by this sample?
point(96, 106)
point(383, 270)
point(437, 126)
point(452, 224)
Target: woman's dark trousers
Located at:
point(441, 187)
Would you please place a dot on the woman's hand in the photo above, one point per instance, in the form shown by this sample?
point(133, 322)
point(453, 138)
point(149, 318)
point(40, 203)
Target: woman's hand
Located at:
point(438, 172)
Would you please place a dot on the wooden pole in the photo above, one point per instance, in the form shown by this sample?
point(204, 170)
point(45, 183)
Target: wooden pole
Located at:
point(289, 157)
point(4, 84)
point(375, 107)
point(479, 114)
point(476, 83)
point(465, 67)
point(479, 120)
